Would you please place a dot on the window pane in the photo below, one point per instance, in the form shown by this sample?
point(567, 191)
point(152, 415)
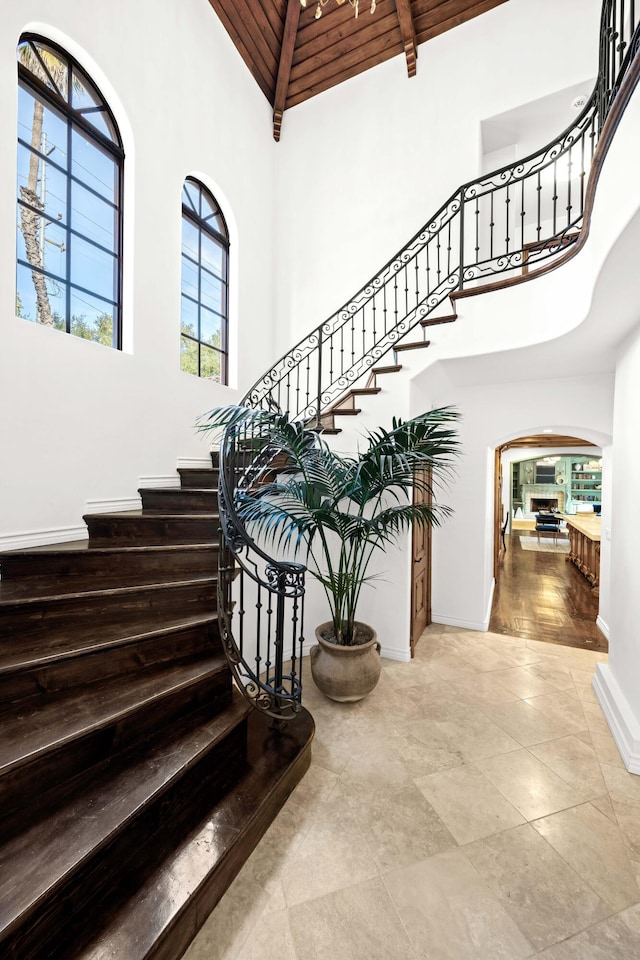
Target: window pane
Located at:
point(40, 299)
point(211, 291)
point(189, 317)
point(55, 74)
point(190, 234)
point(92, 217)
point(213, 256)
point(92, 319)
point(41, 243)
point(189, 279)
point(210, 328)
point(51, 184)
point(209, 208)
point(189, 356)
point(55, 67)
point(42, 128)
point(210, 364)
point(93, 167)
point(83, 94)
point(93, 268)
point(190, 197)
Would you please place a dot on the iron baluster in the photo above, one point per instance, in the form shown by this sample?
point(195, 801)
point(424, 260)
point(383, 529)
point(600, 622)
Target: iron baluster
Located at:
point(319, 392)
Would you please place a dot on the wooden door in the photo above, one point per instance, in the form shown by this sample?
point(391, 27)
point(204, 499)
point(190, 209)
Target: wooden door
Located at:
point(420, 572)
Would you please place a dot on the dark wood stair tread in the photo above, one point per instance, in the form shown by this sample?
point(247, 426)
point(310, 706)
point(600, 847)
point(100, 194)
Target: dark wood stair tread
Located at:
point(50, 589)
point(415, 345)
point(30, 730)
point(41, 858)
point(391, 368)
point(162, 916)
point(365, 391)
point(151, 517)
point(24, 653)
point(90, 546)
point(343, 411)
point(435, 321)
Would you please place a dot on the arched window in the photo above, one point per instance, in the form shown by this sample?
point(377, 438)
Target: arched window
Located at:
point(69, 224)
point(204, 309)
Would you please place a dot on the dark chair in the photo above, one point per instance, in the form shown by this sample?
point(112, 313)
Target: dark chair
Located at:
point(503, 530)
point(548, 523)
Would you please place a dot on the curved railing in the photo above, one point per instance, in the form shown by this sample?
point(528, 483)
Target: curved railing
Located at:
point(509, 225)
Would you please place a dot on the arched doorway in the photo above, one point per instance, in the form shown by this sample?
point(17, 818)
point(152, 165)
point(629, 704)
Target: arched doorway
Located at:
point(538, 595)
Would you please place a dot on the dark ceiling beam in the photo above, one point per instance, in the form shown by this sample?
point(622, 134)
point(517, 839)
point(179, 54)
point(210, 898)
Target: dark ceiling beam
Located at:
point(408, 31)
point(284, 68)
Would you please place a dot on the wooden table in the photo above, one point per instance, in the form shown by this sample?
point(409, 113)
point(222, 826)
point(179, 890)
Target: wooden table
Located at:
point(584, 545)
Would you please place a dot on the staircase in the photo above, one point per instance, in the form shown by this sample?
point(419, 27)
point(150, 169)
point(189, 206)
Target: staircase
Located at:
point(134, 779)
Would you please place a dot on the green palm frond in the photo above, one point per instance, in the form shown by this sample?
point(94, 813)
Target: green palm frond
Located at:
point(338, 509)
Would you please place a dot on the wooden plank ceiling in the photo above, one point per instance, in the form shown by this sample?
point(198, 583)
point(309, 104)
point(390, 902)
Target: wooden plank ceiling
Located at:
point(293, 56)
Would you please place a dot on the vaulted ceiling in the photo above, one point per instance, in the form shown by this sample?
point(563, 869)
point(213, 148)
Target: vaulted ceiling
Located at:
point(294, 56)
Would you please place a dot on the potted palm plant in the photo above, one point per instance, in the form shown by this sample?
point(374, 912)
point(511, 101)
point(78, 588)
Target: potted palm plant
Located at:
point(338, 511)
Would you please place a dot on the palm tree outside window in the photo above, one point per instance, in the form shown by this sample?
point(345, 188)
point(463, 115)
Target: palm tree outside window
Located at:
point(204, 312)
point(69, 198)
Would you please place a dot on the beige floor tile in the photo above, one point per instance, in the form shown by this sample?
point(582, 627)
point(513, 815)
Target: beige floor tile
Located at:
point(605, 806)
point(358, 923)
point(544, 895)
point(449, 913)
point(563, 707)
point(331, 856)
point(522, 682)
point(594, 847)
point(621, 784)
point(427, 753)
point(627, 814)
point(586, 693)
point(482, 690)
point(553, 672)
point(453, 666)
point(617, 938)
point(270, 939)
point(605, 748)
point(594, 716)
point(526, 724)
point(527, 783)
point(416, 673)
point(228, 927)
point(265, 865)
point(476, 736)
point(575, 761)
point(403, 829)
point(468, 803)
point(483, 659)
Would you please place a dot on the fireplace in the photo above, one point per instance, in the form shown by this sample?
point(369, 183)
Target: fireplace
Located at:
point(544, 504)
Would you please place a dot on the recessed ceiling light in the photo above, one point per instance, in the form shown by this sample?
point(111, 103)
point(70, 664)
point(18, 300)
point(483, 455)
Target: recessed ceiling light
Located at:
point(578, 102)
point(547, 430)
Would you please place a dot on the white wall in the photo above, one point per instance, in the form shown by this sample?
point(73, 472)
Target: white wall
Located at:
point(493, 413)
point(81, 421)
point(617, 684)
point(364, 165)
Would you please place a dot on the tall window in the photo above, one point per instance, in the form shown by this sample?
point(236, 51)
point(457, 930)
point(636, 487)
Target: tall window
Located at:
point(204, 311)
point(69, 223)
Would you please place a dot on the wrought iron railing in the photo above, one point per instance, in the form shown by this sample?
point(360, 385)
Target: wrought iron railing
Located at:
point(522, 219)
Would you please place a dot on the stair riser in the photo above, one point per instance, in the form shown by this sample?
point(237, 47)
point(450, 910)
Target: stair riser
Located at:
point(85, 563)
point(180, 501)
point(147, 721)
point(124, 660)
point(153, 530)
point(73, 613)
point(140, 845)
point(190, 478)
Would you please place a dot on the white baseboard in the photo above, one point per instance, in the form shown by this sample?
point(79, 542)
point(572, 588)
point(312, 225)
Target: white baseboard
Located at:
point(480, 626)
point(197, 463)
point(623, 723)
point(42, 538)
point(172, 480)
point(603, 627)
point(113, 505)
point(392, 653)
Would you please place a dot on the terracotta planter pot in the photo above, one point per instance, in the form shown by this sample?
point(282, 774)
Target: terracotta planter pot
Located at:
point(345, 673)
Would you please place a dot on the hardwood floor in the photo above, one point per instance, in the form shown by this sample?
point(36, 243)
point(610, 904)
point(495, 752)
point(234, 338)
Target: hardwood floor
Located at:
point(541, 596)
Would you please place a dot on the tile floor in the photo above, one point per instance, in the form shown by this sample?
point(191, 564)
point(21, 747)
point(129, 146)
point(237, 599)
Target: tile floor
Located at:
point(473, 806)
